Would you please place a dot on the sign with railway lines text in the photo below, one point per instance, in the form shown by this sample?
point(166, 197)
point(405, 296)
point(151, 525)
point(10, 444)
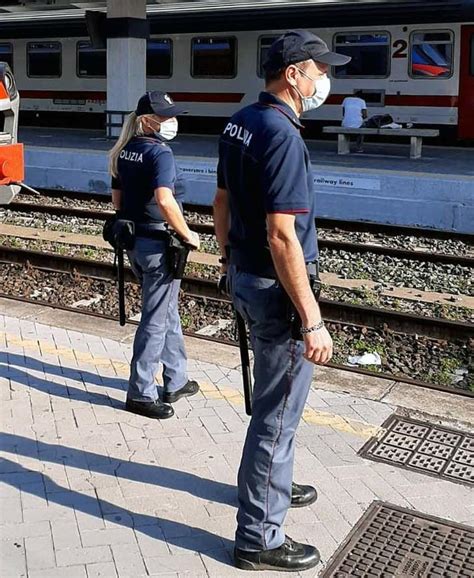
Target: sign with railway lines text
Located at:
point(203, 170)
point(346, 182)
point(198, 170)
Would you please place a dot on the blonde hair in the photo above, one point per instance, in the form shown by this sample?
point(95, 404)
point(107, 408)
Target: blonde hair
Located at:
point(131, 127)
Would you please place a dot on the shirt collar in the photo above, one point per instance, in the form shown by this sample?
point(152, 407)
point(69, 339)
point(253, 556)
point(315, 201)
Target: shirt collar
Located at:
point(268, 99)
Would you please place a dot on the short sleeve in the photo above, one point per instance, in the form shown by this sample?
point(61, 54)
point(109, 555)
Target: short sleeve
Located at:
point(116, 183)
point(285, 176)
point(163, 169)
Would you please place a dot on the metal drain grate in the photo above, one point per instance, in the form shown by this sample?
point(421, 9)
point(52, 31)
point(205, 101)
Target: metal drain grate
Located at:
point(425, 448)
point(389, 541)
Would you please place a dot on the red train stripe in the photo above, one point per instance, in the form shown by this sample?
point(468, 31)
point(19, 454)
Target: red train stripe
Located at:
point(236, 97)
point(64, 94)
point(207, 96)
point(95, 95)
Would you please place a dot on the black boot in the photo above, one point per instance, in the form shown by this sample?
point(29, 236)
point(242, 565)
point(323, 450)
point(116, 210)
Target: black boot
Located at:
point(191, 388)
point(291, 556)
point(154, 409)
point(302, 495)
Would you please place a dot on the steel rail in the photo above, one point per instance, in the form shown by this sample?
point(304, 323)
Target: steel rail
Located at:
point(220, 341)
point(354, 226)
point(332, 311)
point(208, 229)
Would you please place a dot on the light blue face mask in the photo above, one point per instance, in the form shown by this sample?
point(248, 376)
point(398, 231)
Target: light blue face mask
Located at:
point(322, 88)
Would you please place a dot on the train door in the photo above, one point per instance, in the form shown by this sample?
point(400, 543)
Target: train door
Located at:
point(466, 84)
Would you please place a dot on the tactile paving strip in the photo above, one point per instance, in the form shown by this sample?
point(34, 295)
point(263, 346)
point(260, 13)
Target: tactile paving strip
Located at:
point(426, 448)
point(392, 541)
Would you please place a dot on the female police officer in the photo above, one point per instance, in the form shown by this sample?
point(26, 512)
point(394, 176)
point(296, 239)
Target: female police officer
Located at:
point(147, 189)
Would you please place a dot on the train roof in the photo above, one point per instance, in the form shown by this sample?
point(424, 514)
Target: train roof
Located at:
point(176, 16)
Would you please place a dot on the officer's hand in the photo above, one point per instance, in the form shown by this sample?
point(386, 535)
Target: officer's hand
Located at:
point(222, 286)
point(193, 240)
point(318, 346)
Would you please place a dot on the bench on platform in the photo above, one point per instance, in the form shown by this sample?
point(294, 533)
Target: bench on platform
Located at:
point(416, 136)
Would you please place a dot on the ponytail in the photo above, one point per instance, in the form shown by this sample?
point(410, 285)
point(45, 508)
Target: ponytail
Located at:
point(131, 127)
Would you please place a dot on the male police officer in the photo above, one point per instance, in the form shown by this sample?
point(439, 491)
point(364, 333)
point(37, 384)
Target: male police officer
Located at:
point(264, 214)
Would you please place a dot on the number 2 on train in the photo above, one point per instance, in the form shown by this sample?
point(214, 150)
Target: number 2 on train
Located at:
point(400, 49)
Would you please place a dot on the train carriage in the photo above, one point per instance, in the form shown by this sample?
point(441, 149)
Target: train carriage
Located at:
point(417, 66)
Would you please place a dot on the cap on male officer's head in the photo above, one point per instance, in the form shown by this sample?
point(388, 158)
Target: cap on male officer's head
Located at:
point(297, 46)
point(159, 103)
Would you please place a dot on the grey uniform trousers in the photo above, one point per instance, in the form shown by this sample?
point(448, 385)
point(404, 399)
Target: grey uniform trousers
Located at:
point(282, 378)
point(159, 337)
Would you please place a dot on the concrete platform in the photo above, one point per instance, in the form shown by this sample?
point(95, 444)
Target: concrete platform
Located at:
point(381, 185)
point(90, 490)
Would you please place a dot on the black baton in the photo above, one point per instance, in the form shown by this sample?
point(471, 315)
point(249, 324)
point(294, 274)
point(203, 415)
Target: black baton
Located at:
point(245, 359)
point(121, 285)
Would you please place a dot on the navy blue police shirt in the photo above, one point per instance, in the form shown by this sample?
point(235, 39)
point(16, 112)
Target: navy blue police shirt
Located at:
point(265, 167)
point(145, 164)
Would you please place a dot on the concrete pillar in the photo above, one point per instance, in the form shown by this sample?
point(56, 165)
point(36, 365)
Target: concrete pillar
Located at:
point(126, 59)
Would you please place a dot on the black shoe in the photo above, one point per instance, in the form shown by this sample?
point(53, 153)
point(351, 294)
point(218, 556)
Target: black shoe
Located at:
point(191, 388)
point(291, 556)
point(154, 409)
point(302, 495)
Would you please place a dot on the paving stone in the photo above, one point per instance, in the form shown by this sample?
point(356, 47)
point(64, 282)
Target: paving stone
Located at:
point(11, 511)
point(135, 492)
point(128, 560)
point(65, 535)
point(24, 530)
point(152, 542)
point(75, 556)
point(39, 553)
point(108, 536)
point(13, 560)
point(184, 564)
point(101, 570)
point(76, 571)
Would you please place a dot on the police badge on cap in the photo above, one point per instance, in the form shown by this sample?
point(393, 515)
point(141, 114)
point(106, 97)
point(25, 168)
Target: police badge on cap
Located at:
point(157, 102)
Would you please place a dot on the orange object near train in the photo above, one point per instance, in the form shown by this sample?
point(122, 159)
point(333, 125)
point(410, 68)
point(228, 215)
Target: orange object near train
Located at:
point(12, 164)
point(12, 167)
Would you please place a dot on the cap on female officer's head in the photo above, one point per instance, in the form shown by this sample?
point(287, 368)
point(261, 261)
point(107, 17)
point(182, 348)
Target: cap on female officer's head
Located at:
point(297, 46)
point(159, 103)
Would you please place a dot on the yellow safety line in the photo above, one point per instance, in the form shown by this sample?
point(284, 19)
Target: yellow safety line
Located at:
point(209, 390)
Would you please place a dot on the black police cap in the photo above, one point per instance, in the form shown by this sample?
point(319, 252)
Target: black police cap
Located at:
point(159, 103)
point(298, 46)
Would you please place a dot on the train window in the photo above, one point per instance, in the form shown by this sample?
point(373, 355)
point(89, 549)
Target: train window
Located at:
point(91, 61)
point(431, 54)
point(44, 59)
point(6, 54)
point(369, 51)
point(159, 57)
point(264, 44)
point(214, 57)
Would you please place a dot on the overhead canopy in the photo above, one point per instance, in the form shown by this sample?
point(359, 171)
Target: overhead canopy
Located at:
point(22, 18)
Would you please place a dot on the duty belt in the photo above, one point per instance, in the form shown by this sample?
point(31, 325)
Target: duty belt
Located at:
point(157, 234)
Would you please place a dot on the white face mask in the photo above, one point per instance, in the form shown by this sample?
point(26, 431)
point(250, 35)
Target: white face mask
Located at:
point(168, 129)
point(322, 87)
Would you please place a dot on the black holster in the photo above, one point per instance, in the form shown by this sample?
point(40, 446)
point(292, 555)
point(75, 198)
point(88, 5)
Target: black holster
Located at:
point(177, 254)
point(315, 284)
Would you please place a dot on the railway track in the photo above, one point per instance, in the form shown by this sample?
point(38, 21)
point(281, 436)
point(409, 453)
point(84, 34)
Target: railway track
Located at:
point(382, 375)
point(349, 226)
point(342, 314)
point(208, 229)
point(334, 311)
